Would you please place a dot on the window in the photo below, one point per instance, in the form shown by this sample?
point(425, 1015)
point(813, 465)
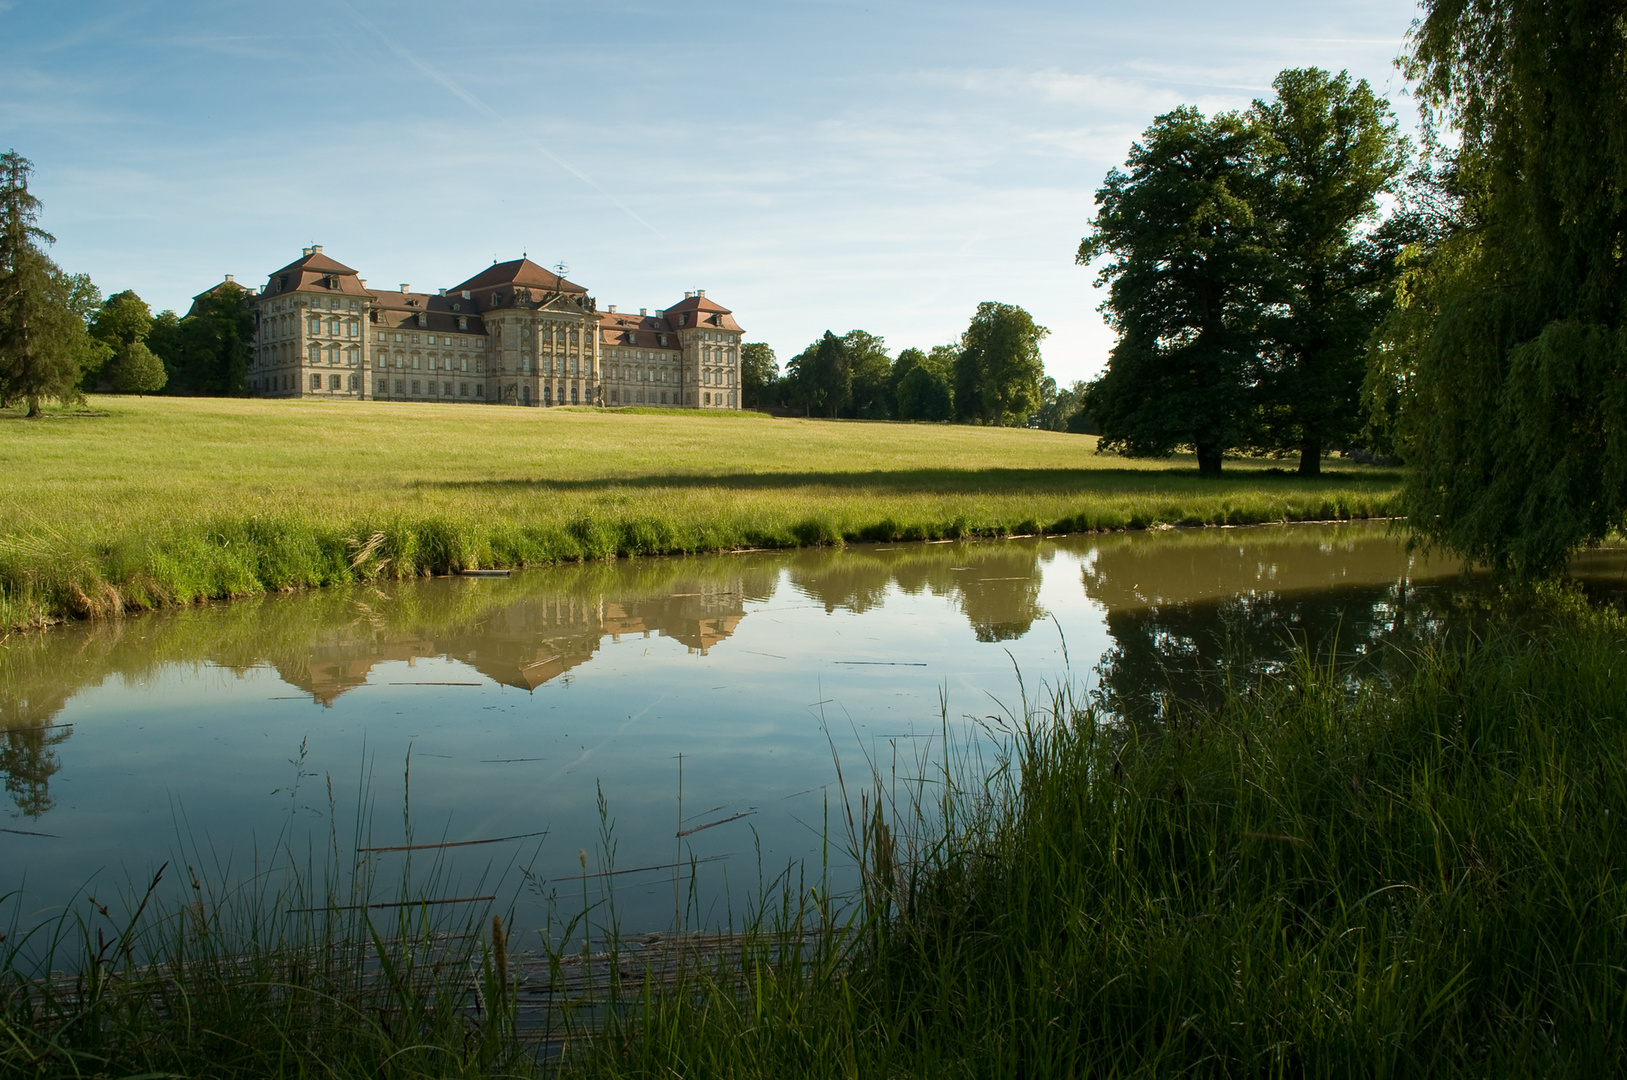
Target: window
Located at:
point(333, 382)
point(398, 387)
point(398, 338)
point(446, 389)
point(378, 387)
point(731, 401)
point(316, 326)
point(612, 397)
point(465, 363)
point(480, 389)
point(707, 399)
point(316, 382)
point(315, 353)
point(415, 390)
point(333, 327)
point(463, 389)
point(547, 395)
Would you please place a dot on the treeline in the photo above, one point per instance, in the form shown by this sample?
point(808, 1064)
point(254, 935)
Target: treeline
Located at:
point(994, 375)
point(60, 338)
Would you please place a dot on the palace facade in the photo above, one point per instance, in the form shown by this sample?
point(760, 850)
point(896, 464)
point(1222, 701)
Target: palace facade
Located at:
point(513, 334)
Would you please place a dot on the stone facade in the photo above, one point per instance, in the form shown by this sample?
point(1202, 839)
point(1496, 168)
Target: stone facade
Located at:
point(514, 334)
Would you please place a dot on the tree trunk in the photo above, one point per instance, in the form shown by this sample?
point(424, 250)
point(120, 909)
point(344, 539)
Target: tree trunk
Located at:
point(1310, 458)
point(1208, 461)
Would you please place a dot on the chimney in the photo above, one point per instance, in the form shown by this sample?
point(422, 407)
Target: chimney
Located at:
point(404, 287)
point(229, 280)
point(689, 296)
point(316, 249)
point(440, 292)
point(305, 253)
point(466, 295)
point(701, 293)
point(612, 309)
point(641, 311)
point(362, 282)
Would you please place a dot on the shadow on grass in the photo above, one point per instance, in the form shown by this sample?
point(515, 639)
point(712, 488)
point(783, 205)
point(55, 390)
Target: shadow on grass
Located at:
point(962, 481)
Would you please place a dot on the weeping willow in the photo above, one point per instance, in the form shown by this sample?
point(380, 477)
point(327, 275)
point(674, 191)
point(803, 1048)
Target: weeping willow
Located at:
point(1507, 351)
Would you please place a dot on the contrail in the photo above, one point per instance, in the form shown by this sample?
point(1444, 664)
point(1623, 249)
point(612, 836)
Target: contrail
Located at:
point(474, 102)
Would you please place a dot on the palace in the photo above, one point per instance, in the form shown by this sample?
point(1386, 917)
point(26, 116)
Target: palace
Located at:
point(514, 334)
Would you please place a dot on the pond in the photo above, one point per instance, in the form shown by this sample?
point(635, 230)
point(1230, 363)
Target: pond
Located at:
point(706, 713)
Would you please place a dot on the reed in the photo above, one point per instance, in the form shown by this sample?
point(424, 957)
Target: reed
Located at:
point(163, 501)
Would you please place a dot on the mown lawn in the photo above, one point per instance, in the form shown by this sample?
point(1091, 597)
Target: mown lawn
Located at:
point(143, 502)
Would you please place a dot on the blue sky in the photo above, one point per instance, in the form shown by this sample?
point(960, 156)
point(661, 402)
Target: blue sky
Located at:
point(812, 164)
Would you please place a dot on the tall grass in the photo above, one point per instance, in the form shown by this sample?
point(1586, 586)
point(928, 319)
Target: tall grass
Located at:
point(165, 501)
point(1417, 874)
point(1312, 879)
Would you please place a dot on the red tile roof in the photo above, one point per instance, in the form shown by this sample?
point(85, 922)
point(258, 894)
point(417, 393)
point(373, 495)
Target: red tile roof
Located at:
point(519, 272)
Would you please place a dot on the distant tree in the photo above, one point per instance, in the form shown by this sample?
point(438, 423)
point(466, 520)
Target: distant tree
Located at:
point(44, 342)
point(758, 371)
point(998, 371)
point(136, 370)
point(1186, 283)
point(208, 350)
point(122, 320)
point(1328, 149)
point(824, 373)
point(872, 375)
point(924, 393)
point(1061, 406)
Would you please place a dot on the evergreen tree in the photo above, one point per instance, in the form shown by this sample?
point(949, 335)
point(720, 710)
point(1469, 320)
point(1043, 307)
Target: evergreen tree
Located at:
point(1510, 351)
point(1187, 284)
point(43, 339)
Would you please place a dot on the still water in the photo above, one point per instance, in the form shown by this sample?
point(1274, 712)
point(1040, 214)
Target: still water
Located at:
point(709, 701)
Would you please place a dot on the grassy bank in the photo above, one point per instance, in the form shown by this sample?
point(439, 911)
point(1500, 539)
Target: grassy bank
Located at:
point(156, 501)
point(1312, 878)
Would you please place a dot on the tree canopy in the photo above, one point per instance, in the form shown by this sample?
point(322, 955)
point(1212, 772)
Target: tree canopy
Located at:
point(758, 371)
point(998, 370)
point(207, 351)
point(1508, 354)
point(1186, 287)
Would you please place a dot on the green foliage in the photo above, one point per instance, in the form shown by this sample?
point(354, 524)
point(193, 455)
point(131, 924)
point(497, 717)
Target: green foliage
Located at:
point(758, 372)
point(924, 393)
point(1328, 149)
point(207, 351)
point(137, 370)
point(1186, 289)
point(1249, 269)
point(824, 374)
point(998, 369)
point(44, 343)
point(872, 375)
point(1061, 407)
point(123, 320)
point(1508, 360)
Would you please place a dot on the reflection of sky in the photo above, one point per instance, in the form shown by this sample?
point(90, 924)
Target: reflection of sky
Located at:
point(828, 654)
point(756, 719)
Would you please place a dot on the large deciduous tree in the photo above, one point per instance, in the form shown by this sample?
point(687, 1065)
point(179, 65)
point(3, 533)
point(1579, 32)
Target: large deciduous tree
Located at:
point(1510, 349)
point(923, 383)
point(998, 370)
point(872, 392)
point(1187, 278)
point(1327, 149)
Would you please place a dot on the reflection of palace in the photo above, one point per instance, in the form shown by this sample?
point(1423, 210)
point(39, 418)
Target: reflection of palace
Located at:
point(524, 644)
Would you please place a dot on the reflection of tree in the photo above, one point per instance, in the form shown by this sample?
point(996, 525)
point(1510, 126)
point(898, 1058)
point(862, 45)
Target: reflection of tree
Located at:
point(1190, 652)
point(28, 761)
point(996, 585)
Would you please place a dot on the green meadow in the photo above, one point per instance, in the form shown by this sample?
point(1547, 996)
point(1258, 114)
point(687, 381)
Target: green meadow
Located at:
point(141, 502)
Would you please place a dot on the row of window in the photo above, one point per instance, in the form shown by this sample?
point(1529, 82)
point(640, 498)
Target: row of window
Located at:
point(434, 388)
point(462, 342)
point(350, 328)
point(448, 363)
